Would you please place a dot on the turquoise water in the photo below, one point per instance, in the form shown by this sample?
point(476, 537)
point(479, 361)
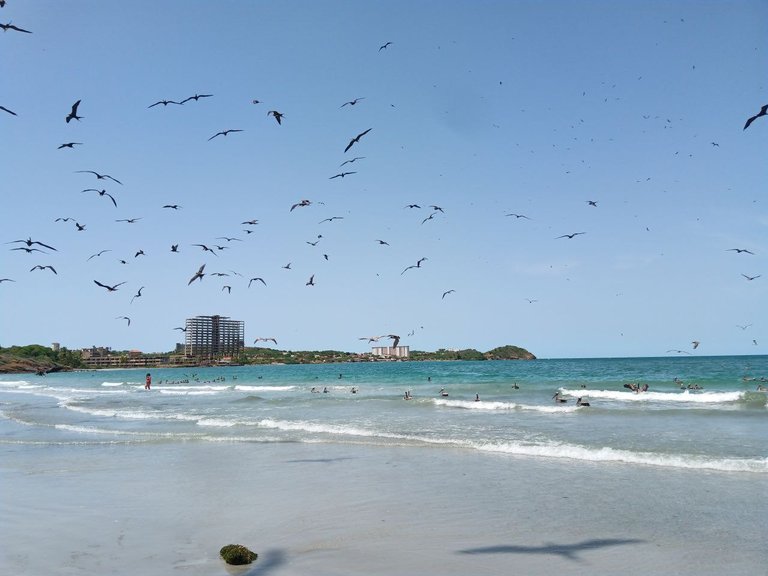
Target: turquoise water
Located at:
point(700, 413)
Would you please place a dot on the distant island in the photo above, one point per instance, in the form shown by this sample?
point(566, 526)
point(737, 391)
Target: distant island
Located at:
point(42, 359)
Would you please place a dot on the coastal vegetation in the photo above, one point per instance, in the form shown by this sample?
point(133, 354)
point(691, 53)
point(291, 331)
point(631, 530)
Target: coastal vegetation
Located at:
point(42, 359)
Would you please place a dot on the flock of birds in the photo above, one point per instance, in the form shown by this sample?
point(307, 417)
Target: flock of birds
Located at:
point(30, 245)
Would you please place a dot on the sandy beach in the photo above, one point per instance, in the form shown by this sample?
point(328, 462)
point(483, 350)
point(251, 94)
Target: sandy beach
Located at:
point(344, 509)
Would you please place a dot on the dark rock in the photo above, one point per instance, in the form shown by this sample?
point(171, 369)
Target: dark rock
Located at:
point(237, 554)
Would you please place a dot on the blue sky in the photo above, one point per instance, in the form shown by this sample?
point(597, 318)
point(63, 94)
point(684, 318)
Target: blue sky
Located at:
point(481, 108)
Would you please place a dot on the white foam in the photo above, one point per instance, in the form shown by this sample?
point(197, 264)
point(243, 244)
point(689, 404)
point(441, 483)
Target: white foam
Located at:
point(502, 406)
point(110, 384)
point(246, 388)
point(693, 396)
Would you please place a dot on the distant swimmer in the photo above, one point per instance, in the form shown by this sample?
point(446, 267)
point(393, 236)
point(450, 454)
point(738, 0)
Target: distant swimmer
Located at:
point(477, 397)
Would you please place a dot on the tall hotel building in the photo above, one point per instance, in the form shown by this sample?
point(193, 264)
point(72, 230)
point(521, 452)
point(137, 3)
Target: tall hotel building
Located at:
point(213, 337)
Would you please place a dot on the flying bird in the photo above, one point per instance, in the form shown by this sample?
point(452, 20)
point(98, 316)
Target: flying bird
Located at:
point(592, 203)
point(109, 288)
point(228, 239)
point(278, 116)
point(206, 249)
point(352, 102)
point(750, 278)
point(446, 293)
point(695, 344)
point(63, 219)
point(180, 328)
point(395, 339)
point(3, 108)
point(570, 236)
point(174, 247)
point(256, 280)
point(383, 46)
point(69, 145)
point(196, 97)
point(28, 250)
point(198, 275)
point(73, 113)
point(128, 220)
point(137, 295)
point(265, 340)
point(299, 204)
point(287, 266)
point(97, 254)
point(80, 227)
point(517, 216)
point(382, 242)
point(740, 250)
point(353, 160)
point(123, 318)
point(417, 265)
point(10, 26)
point(227, 288)
point(250, 222)
point(99, 176)
point(223, 133)
point(357, 139)
point(411, 206)
point(38, 267)
point(29, 243)
point(331, 219)
point(102, 193)
point(428, 217)
point(6, 280)
point(172, 206)
point(165, 103)
point(436, 208)
point(341, 175)
point(763, 112)
point(311, 281)
point(139, 253)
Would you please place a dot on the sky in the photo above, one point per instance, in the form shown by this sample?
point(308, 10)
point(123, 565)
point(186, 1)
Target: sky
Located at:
point(511, 125)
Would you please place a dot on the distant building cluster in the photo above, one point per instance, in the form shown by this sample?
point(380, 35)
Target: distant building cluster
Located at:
point(391, 351)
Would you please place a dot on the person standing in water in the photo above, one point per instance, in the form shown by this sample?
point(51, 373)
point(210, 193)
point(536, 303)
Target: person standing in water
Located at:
point(148, 381)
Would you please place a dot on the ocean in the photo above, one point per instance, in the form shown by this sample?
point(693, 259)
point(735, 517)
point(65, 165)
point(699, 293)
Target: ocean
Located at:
point(460, 427)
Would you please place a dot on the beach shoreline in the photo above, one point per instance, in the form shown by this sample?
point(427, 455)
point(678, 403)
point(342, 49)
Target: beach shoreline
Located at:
point(315, 508)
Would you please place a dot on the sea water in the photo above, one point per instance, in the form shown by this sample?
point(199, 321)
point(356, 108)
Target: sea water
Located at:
point(494, 475)
point(697, 413)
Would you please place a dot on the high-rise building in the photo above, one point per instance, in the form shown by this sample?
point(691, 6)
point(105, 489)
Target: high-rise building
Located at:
point(214, 336)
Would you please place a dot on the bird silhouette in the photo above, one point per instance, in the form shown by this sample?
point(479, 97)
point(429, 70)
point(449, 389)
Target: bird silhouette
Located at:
point(165, 103)
point(300, 204)
point(352, 102)
point(172, 206)
point(446, 293)
point(695, 344)
point(395, 339)
point(180, 328)
point(99, 176)
point(174, 247)
point(331, 219)
point(10, 26)
point(256, 280)
point(98, 254)
point(227, 288)
point(311, 281)
point(353, 160)
point(763, 112)
point(341, 175)
point(39, 267)
point(250, 222)
point(517, 216)
point(417, 265)
point(109, 288)
point(206, 249)
point(73, 113)
point(428, 217)
point(63, 219)
point(29, 242)
point(570, 236)
point(102, 193)
point(69, 145)
point(591, 203)
point(123, 318)
point(129, 220)
point(265, 340)
point(287, 266)
point(137, 295)
point(356, 139)
point(139, 253)
point(382, 242)
point(198, 275)
point(740, 250)
point(411, 206)
point(750, 278)
point(80, 227)
point(278, 116)
point(437, 208)
point(383, 46)
point(196, 97)
point(29, 250)
point(223, 133)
